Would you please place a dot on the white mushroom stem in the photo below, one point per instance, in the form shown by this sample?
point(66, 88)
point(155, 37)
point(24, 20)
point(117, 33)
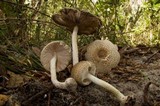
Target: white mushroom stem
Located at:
point(69, 84)
point(120, 97)
point(74, 45)
point(84, 71)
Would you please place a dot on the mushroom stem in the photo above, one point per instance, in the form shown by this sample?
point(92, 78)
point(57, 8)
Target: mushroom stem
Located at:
point(69, 84)
point(74, 45)
point(84, 71)
point(54, 75)
point(120, 97)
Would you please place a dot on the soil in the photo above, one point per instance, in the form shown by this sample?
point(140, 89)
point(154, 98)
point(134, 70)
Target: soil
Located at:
point(137, 75)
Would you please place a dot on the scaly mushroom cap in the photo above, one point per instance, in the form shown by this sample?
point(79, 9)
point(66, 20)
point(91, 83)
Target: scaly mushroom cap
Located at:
point(63, 53)
point(104, 54)
point(80, 71)
point(86, 22)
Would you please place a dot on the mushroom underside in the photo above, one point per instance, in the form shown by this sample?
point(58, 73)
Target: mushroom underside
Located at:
point(103, 54)
point(63, 53)
point(86, 22)
point(55, 57)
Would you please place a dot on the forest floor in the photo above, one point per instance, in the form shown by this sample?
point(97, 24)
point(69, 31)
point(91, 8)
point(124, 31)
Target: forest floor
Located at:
point(138, 74)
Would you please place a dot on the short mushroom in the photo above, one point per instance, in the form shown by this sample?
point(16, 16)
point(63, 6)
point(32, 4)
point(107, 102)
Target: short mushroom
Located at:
point(55, 57)
point(84, 71)
point(104, 54)
point(80, 22)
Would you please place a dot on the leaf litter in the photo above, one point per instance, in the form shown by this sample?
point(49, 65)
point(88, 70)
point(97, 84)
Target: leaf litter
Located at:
point(137, 74)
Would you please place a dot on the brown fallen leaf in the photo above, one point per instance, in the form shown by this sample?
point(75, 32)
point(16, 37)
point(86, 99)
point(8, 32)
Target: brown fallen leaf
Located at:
point(3, 99)
point(16, 79)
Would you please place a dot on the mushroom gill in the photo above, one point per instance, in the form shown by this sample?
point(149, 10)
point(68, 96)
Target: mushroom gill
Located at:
point(104, 54)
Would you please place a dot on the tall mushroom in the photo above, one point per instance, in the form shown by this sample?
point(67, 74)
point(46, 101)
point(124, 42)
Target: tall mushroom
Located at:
point(84, 71)
point(104, 54)
point(55, 57)
point(79, 22)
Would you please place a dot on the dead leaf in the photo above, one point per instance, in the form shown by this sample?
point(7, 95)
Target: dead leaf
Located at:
point(3, 99)
point(16, 79)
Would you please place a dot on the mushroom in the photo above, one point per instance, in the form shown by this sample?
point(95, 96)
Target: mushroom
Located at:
point(80, 22)
point(55, 57)
point(84, 71)
point(104, 54)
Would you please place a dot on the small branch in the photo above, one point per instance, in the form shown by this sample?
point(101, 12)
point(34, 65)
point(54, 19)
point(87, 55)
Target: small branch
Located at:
point(26, 7)
point(150, 57)
point(28, 101)
point(66, 1)
point(49, 99)
point(146, 102)
point(95, 7)
point(145, 94)
point(27, 19)
point(124, 50)
point(37, 7)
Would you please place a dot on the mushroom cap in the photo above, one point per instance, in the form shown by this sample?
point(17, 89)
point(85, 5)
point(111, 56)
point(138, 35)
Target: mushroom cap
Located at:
point(104, 54)
point(63, 54)
point(86, 22)
point(81, 70)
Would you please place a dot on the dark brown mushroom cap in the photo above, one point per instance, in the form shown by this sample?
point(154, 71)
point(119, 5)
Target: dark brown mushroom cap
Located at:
point(86, 22)
point(63, 54)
